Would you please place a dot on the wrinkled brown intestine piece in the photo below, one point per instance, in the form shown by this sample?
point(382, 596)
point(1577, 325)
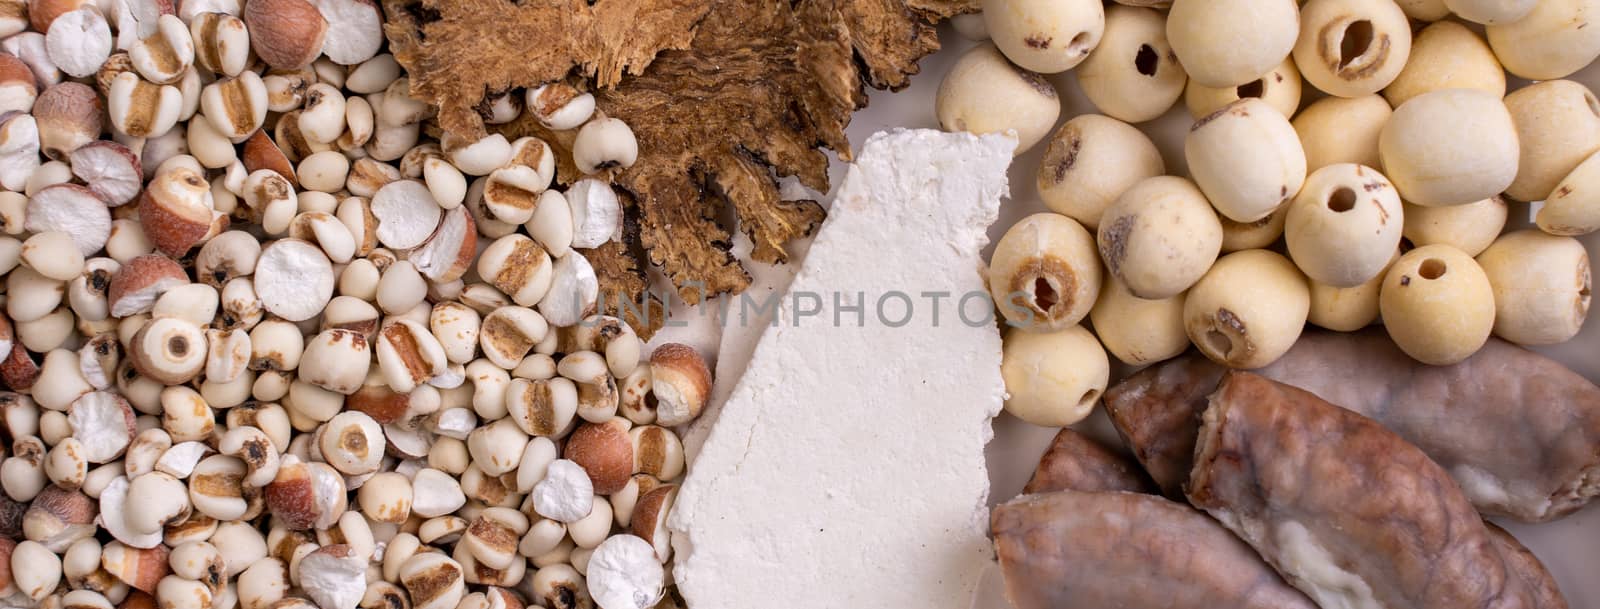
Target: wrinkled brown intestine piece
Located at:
point(1524, 564)
point(1518, 431)
point(1117, 549)
point(1075, 462)
point(1346, 510)
point(1157, 413)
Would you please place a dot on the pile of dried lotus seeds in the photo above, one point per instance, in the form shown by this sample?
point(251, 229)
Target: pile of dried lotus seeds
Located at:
point(1348, 161)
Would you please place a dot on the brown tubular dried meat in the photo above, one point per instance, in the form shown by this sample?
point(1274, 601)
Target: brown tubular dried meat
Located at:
point(1116, 549)
point(1347, 511)
point(457, 51)
point(1087, 524)
point(739, 93)
point(1519, 431)
point(1075, 462)
point(1527, 567)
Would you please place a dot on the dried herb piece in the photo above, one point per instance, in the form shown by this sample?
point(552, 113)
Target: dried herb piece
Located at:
point(624, 285)
point(457, 51)
point(763, 86)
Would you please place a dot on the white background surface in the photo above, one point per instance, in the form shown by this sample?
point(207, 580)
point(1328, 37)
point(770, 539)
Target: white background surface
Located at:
point(1570, 547)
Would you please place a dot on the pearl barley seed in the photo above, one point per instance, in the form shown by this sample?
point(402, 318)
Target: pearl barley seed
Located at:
point(79, 42)
point(53, 255)
point(565, 494)
point(625, 574)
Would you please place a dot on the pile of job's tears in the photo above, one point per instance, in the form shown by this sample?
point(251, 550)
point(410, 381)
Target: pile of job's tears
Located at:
point(255, 358)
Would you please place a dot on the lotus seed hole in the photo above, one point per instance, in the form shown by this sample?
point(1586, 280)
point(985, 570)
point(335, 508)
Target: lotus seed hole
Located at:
point(1146, 60)
point(178, 346)
point(1432, 268)
point(1089, 397)
point(1044, 296)
point(1357, 38)
point(1342, 200)
point(1218, 342)
point(1079, 43)
point(1253, 88)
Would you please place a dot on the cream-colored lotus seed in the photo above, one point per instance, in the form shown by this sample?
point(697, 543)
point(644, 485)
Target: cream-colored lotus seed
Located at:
point(1342, 130)
point(1450, 147)
point(984, 93)
point(1541, 286)
point(1248, 309)
point(1469, 228)
point(1351, 48)
point(1280, 88)
point(1491, 11)
point(1573, 208)
point(1346, 309)
point(1053, 378)
point(1424, 10)
point(1552, 41)
point(1138, 331)
point(1045, 274)
point(1344, 225)
point(1133, 75)
point(1447, 55)
point(970, 26)
point(1159, 237)
point(1252, 235)
point(1090, 161)
point(1045, 36)
point(1558, 126)
point(1437, 304)
point(1246, 158)
point(1223, 43)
